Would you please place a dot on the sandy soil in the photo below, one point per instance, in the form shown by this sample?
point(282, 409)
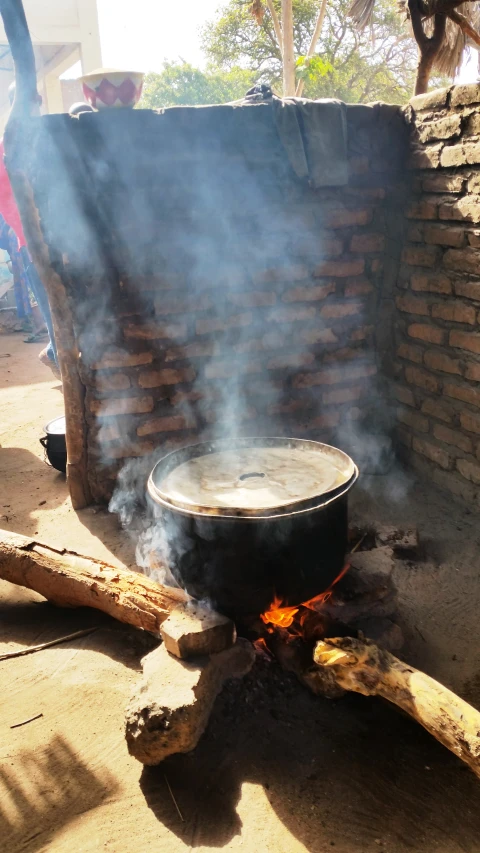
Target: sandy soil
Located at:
point(277, 770)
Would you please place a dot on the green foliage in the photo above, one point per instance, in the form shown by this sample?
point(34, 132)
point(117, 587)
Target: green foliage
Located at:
point(181, 84)
point(378, 64)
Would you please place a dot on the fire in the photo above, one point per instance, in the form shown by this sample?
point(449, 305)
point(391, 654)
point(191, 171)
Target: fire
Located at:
point(283, 616)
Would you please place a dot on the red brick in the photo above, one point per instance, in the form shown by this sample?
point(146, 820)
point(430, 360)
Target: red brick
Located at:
point(410, 352)
point(289, 408)
point(343, 218)
point(420, 256)
point(412, 305)
point(329, 419)
point(465, 340)
point(376, 265)
point(225, 369)
point(121, 406)
point(174, 304)
point(362, 333)
point(474, 239)
point(199, 349)
point(253, 299)
point(109, 432)
point(469, 470)
point(424, 208)
point(150, 331)
point(462, 260)
point(465, 393)
point(340, 269)
point(112, 382)
point(332, 376)
point(431, 283)
point(341, 395)
point(405, 395)
point(404, 436)
point(432, 452)
point(443, 184)
point(367, 243)
point(470, 422)
point(318, 336)
point(412, 419)
point(167, 376)
point(292, 315)
point(466, 208)
point(283, 362)
point(468, 289)
point(451, 436)
point(297, 272)
point(437, 410)
point(414, 233)
point(358, 287)
point(444, 235)
point(309, 293)
point(429, 334)
point(455, 312)
point(343, 354)
point(337, 310)
point(472, 371)
point(122, 359)
point(207, 325)
point(422, 379)
point(128, 451)
point(171, 423)
point(440, 361)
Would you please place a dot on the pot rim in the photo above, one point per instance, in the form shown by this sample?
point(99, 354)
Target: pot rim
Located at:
point(251, 517)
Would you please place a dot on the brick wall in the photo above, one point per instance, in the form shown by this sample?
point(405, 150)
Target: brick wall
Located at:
point(438, 293)
point(213, 292)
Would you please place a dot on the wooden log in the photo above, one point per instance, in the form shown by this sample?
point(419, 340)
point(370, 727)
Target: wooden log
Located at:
point(363, 667)
point(70, 580)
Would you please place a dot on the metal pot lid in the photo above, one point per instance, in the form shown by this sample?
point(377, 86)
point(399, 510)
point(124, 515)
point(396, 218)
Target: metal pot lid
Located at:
point(248, 476)
point(57, 426)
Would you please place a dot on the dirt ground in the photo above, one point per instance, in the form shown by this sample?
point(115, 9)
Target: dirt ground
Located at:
point(277, 770)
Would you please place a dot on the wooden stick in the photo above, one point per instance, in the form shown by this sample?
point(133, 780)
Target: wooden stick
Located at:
point(363, 667)
point(70, 580)
point(29, 650)
point(24, 722)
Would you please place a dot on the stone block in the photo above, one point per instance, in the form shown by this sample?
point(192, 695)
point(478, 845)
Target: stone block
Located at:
point(425, 157)
point(170, 709)
point(193, 630)
point(468, 93)
point(466, 153)
point(443, 184)
point(443, 128)
point(466, 208)
point(435, 100)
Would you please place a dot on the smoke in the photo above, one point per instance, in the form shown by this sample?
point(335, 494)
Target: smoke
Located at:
point(209, 270)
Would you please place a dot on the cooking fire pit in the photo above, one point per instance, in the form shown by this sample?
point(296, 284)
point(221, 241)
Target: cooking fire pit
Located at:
point(247, 521)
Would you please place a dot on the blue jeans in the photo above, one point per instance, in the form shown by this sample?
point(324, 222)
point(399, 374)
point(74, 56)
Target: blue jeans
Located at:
point(40, 294)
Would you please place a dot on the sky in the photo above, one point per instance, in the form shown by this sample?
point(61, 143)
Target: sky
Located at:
point(155, 31)
point(162, 29)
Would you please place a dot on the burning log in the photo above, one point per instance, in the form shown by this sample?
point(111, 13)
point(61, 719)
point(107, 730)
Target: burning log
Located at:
point(361, 666)
point(70, 580)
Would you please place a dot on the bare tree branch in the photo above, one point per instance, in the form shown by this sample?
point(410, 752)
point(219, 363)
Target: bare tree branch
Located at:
point(276, 24)
point(313, 43)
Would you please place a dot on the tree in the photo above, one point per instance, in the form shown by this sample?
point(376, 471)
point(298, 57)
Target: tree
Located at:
point(350, 64)
point(180, 84)
point(443, 29)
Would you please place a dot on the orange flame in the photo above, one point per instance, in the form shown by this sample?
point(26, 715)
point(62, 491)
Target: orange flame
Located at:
point(284, 616)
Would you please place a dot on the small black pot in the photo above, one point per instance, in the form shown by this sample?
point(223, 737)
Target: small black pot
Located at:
point(55, 444)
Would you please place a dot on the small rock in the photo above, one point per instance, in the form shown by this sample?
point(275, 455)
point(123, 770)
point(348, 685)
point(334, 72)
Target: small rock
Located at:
point(192, 630)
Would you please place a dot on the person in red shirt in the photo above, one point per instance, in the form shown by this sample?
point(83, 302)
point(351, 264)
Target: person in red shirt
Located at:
point(11, 216)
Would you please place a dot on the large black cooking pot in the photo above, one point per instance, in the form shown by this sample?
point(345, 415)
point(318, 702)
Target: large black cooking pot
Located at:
point(245, 520)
